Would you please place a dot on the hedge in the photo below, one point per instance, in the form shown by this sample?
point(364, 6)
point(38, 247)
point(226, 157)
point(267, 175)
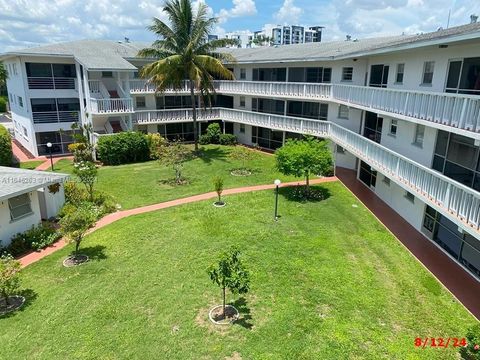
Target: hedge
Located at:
point(123, 148)
point(5, 147)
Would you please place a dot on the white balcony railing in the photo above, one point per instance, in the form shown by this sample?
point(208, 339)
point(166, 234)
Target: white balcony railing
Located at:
point(455, 200)
point(107, 106)
point(459, 111)
point(141, 86)
point(454, 110)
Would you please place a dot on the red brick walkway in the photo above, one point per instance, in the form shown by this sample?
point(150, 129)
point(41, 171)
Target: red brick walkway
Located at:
point(110, 218)
point(22, 154)
point(460, 283)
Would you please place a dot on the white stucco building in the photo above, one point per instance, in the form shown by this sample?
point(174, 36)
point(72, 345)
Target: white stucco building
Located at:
point(403, 112)
point(26, 198)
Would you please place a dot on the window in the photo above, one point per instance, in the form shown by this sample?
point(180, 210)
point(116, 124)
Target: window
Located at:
point(25, 132)
point(19, 206)
point(243, 74)
point(242, 128)
point(464, 76)
point(410, 197)
point(107, 74)
point(242, 101)
point(20, 101)
point(15, 69)
point(419, 134)
point(386, 180)
point(393, 127)
point(343, 112)
point(347, 74)
point(400, 71)
point(140, 101)
point(428, 67)
point(340, 150)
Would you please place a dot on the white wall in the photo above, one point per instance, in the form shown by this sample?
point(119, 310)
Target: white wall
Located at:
point(9, 228)
point(394, 196)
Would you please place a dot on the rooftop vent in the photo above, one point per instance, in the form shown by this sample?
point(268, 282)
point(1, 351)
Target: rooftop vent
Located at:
point(127, 40)
point(473, 18)
point(348, 38)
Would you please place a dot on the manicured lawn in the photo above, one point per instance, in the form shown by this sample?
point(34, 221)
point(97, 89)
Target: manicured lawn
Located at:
point(30, 165)
point(140, 184)
point(327, 282)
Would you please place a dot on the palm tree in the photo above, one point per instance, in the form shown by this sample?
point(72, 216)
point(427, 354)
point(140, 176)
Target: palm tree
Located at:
point(182, 53)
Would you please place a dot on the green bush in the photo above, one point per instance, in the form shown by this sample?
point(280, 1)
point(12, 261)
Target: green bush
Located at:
point(228, 139)
point(5, 147)
point(472, 351)
point(123, 148)
point(36, 238)
point(212, 136)
point(156, 145)
point(3, 104)
point(77, 197)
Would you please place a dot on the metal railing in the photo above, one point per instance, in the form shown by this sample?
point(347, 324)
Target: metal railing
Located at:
point(455, 110)
point(55, 83)
point(116, 105)
point(455, 200)
point(139, 86)
point(45, 117)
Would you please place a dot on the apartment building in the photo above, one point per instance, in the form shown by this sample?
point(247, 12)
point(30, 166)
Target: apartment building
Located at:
point(291, 34)
point(403, 112)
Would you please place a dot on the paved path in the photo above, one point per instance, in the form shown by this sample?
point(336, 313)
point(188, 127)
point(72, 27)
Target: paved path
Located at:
point(111, 218)
point(46, 164)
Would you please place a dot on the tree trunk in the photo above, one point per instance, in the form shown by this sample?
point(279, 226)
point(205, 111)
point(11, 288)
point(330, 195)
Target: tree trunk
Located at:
point(77, 246)
point(307, 182)
point(194, 114)
point(224, 301)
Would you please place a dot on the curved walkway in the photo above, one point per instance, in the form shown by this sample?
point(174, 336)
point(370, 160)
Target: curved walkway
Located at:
point(111, 218)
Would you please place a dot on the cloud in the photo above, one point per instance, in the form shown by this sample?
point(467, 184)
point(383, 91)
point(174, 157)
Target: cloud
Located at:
point(288, 13)
point(240, 8)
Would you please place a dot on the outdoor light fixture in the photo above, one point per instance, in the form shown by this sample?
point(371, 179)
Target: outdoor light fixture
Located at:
point(277, 184)
point(49, 146)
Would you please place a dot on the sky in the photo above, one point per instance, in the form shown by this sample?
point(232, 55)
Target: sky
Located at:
point(27, 23)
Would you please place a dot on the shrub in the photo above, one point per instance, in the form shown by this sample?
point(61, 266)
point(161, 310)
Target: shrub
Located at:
point(9, 280)
point(76, 197)
point(156, 145)
point(123, 148)
point(81, 152)
point(36, 238)
point(204, 139)
point(212, 135)
point(473, 339)
point(74, 194)
point(3, 104)
point(87, 173)
point(75, 225)
point(228, 139)
point(5, 147)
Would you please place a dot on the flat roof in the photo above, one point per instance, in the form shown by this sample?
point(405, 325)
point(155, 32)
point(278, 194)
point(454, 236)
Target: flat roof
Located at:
point(14, 181)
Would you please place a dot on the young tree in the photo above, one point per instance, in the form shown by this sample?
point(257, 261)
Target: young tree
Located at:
point(175, 155)
point(242, 154)
point(218, 186)
point(304, 157)
point(74, 226)
point(230, 273)
point(181, 53)
point(9, 281)
point(82, 148)
point(3, 76)
point(86, 171)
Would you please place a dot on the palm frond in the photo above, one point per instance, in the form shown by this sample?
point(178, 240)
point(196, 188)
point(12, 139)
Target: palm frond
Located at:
point(214, 67)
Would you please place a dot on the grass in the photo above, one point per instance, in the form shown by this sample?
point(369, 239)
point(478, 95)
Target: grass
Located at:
point(30, 165)
point(327, 282)
point(134, 185)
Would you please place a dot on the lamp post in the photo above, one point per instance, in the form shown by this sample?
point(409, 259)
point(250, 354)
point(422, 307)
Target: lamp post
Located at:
point(49, 146)
point(277, 184)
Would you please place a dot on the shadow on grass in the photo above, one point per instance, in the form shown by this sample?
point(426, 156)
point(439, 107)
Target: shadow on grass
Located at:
point(29, 295)
point(208, 155)
point(94, 252)
point(245, 317)
point(298, 193)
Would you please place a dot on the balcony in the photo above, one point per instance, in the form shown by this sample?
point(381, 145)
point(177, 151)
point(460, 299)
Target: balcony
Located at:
point(461, 112)
point(112, 106)
point(456, 201)
point(44, 117)
point(52, 83)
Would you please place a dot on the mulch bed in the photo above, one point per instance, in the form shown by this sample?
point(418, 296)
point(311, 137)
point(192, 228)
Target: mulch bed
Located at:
point(14, 303)
point(75, 260)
